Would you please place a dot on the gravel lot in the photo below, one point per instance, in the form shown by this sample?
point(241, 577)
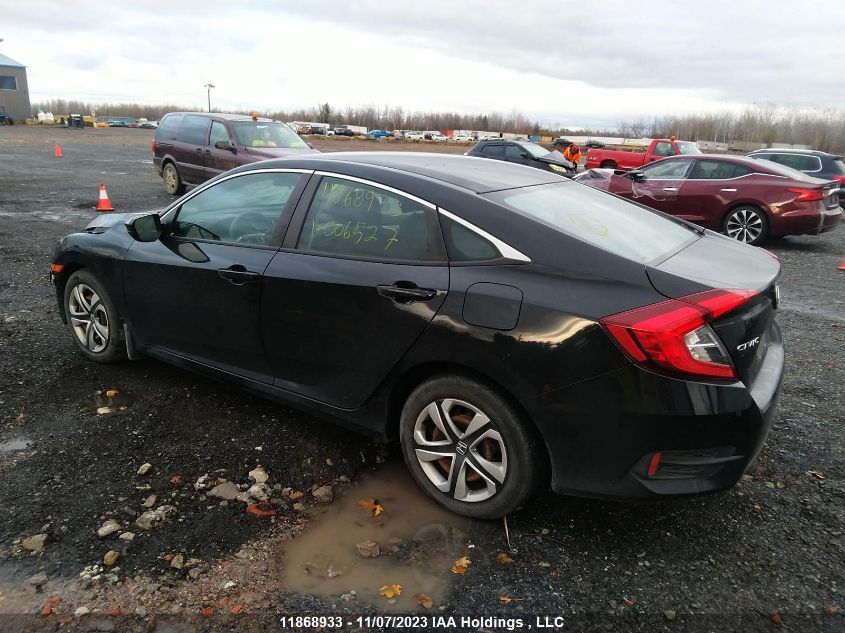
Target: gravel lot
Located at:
point(767, 555)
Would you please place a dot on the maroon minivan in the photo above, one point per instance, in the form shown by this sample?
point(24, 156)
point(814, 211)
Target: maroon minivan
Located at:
point(192, 147)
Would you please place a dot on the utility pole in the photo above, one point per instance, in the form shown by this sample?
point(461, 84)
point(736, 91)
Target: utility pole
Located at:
point(209, 86)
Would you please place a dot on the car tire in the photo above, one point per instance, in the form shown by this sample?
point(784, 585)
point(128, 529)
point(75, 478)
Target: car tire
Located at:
point(746, 224)
point(497, 453)
point(94, 323)
point(608, 164)
point(172, 181)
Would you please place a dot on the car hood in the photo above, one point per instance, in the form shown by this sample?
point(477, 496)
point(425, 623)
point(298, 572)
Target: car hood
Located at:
point(596, 178)
point(279, 152)
point(556, 158)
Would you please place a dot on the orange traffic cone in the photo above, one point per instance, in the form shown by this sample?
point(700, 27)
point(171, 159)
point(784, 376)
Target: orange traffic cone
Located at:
point(58, 151)
point(104, 204)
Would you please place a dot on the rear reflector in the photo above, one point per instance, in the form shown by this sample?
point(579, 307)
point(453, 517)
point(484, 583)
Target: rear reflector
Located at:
point(674, 337)
point(654, 464)
point(808, 195)
point(56, 268)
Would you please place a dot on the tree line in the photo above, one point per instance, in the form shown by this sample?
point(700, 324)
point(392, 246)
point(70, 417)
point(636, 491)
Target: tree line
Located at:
point(820, 128)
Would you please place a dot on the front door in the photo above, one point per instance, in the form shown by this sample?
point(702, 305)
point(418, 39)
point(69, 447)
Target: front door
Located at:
point(196, 292)
point(659, 187)
point(711, 188)
point(363, 273)
point(218, 160)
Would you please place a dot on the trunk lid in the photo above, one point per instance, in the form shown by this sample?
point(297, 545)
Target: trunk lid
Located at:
point(718, 262)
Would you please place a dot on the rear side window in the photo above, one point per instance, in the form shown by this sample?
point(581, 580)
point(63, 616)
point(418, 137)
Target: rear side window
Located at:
point(663, 149)
point(837, 167)
point(464, 245)
point(168, 127)
point(800, 162)
point(717, 170)
point(352, 219)
point(493, 151)
point(598, 218)
point(193, 130)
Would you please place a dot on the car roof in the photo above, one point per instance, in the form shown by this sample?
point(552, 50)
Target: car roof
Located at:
point(790, 150)
point(227, 117)
point(479, 175)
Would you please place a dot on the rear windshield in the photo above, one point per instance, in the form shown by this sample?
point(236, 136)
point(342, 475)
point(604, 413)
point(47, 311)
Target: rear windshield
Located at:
point(600, 219)
point(261, 134)
point(686, 147)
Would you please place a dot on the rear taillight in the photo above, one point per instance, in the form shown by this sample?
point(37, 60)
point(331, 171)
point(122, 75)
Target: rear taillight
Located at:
point(674, 337)
point(808, 195)
point(154, 146)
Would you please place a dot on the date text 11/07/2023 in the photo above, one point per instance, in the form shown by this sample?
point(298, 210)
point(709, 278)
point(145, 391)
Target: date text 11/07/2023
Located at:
point(433, 622)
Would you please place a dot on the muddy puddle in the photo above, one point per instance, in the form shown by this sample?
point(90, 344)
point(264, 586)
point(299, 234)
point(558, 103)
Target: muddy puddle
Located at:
point(107, 401)
point(418, 543)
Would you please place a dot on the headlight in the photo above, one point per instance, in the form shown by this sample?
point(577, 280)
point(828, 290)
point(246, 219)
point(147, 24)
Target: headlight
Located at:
point(558, 168)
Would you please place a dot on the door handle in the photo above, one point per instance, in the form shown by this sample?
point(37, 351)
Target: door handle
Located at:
point(198, 150)
point(670, 188)
point(406, 292)
point(729, 189)
point(238, 274)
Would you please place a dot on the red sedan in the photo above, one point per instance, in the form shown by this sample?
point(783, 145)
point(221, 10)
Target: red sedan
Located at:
point(748, 200)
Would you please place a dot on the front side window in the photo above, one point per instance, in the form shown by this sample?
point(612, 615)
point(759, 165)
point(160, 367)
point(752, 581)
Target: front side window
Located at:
point(515, 152)
point(218, 133)
point(193, 130)
point(494, 151)
point(356, 220)
point(663, 149)
point(717, 170)
point(598, 218)
point(240, 210)
point(265, 134)
point(667, 170)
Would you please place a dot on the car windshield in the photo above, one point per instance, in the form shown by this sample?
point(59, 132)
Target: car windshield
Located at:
point(261, 134)
point(535, 150)
point(685, 147)
point(600, 219)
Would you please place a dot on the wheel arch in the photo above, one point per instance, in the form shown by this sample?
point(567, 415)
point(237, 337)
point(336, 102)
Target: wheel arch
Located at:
point(609, 164)
point(61, 280)
point(416, 375)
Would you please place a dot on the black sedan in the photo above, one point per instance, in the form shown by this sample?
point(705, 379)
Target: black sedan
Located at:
point(523, 153)
point(512, 328)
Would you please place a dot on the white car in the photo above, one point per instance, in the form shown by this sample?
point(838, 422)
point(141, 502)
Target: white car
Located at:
point(436, 136)
point(414, 136)
point(462, 138)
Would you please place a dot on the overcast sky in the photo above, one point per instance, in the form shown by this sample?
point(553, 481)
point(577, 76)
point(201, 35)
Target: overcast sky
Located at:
point(572, 63)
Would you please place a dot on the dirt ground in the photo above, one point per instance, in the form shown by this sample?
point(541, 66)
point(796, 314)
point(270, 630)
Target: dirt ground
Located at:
point(768, 554)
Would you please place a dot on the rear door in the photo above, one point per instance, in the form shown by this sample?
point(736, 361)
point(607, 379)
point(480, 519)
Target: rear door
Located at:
point(362, 272)
point(189, 148)
point(196, 292)
point(711, 188)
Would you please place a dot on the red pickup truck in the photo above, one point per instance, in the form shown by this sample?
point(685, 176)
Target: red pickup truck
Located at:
point(657, 149)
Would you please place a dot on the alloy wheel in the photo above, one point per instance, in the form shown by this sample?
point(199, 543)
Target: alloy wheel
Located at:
point(744, 225)
point(460, 450)
point(89, 318)
point(170, 178)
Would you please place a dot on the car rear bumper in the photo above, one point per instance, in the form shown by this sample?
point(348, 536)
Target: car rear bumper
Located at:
point(817, 219)
point(634, 434)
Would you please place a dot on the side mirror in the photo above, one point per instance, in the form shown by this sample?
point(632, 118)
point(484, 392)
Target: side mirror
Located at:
point(224, 145)
point(635, 175)
point(145, 228)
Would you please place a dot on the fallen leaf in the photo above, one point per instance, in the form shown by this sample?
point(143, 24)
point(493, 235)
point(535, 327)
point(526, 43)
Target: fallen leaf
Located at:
point(457, 569)
point(629, 601)
point(104, 410)
point(21, 417)
point(553, 573)
point(223, 602)
point(776, 619)
point(115, 613)
point(463, 561)
point(296, 494)
point(176, 480)
point(505, 599)
point(237, 609)
point(503, 558)
point(260, 510)
point(390, 591)
point(424, 600)
point(832, 610)
point(207, 612)
point(817, 474)
point(371, 505)
point(111, 393)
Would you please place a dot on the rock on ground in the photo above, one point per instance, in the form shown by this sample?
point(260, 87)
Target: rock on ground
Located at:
point(34, 543)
